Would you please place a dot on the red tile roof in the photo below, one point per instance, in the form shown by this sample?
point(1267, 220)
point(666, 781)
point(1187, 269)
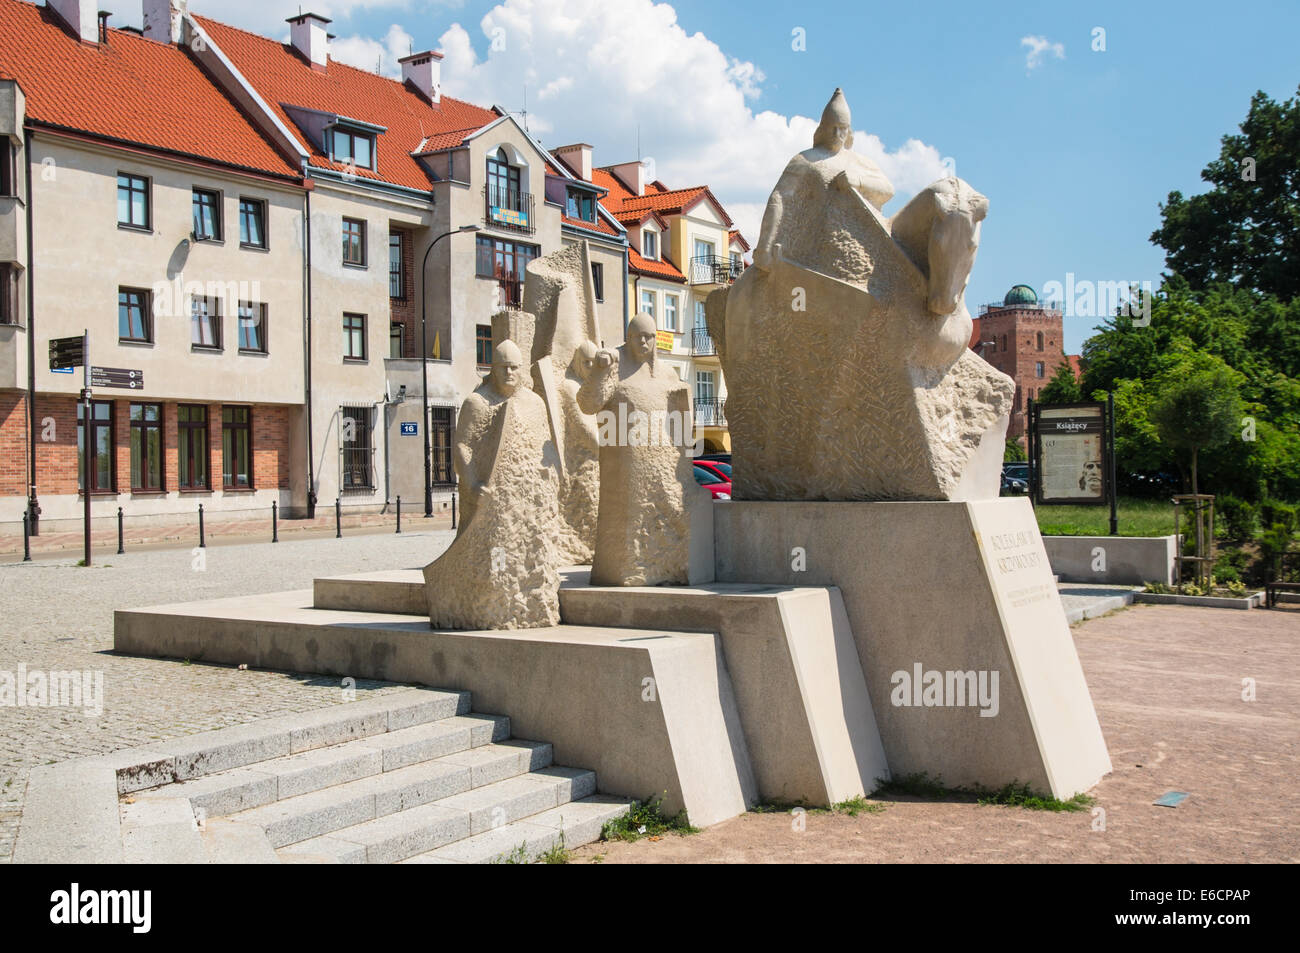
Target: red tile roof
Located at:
point(654, 269)
point(735, 236)
point(599, 225)
point(630, 208)
point(132, 90)
point(281, 76)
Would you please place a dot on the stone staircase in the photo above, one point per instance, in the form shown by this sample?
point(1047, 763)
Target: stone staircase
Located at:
point(414, 778)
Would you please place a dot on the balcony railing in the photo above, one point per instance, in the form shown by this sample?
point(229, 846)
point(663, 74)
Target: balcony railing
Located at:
point(510, 293)
point(702, 342)
point(510, 209)
point(710, 412)
point(714, 270)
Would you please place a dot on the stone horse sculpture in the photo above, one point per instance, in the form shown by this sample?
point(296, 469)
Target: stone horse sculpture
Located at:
point(847, 343)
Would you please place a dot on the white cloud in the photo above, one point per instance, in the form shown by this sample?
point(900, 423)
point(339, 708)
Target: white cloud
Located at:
point(606, 71)
point(374, 55)
point(1039, 47)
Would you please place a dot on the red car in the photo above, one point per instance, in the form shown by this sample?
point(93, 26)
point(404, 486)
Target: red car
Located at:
point(709, 475)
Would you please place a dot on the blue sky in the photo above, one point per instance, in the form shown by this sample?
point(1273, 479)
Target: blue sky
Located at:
point(1074, 153)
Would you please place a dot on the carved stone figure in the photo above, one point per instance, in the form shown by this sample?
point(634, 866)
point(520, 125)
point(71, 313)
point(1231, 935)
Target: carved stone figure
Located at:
point(502, 569)
point(559, 290)
point(647, 488)
point(845, 348)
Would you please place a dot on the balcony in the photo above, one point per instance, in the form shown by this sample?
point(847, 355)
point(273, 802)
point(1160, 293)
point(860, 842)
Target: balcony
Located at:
point(510, 294)
point(702, 344)
point(714, 270)
point(508, 209)
point(710, 412)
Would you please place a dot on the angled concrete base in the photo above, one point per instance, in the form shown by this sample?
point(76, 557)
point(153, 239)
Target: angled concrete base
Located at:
point(946, 587)
point(652, 712)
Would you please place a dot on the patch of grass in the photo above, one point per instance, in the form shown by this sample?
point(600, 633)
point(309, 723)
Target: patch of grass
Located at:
point(597, 858)
point(852, 807)
point(1137, 517)
point(857, 805)
point(558, 854)
point(644, 819)
point(517, 856)
point(785, 807)
point(1011, 795)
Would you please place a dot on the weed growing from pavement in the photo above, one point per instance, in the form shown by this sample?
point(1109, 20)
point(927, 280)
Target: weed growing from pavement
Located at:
point(852, 807)
point(517, 856)
point(557, 854)
point(644, 819)
point(1010, 795)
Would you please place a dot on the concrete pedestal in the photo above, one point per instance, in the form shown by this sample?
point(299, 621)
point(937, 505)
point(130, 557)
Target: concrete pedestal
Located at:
point(961, 635)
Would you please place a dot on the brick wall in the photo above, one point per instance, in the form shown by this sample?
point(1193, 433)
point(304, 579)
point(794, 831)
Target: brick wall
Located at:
point(1019, 357)
point(56, 458)
point(404, 310)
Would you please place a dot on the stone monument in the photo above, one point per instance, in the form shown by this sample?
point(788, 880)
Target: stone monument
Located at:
point(648, 494)
point(560, 293)
point(502, 569)
point(845, 347)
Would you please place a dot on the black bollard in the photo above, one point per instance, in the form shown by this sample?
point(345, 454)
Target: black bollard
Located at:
point(338, 518)
point(453, 510)
point(120, 550)
point(275, 527)
point(202, 544)
point(399, 514)
point(27, 539)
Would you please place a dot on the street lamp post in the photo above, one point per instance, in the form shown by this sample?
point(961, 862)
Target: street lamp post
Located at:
point(424, 368)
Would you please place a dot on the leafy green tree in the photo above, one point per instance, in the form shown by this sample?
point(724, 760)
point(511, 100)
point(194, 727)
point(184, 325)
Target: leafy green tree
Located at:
point(1063, 388)
point(1197, 406)
point(1246, 229)
point(1013, 453)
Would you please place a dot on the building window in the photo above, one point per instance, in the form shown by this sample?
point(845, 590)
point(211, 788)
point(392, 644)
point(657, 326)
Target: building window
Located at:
point(354, 242)
point(701, 321)
point(580, 205)
point(134, 319)
point(146, 447)
point(1040, 340)
point(706, 389)
point(598, 279)
point(237, 448)
point(670, 313)
point(355, 448)
point(9, 281)
point(132, 200)
point(192, 449)
point(503, 181)
point(252, 327)
point(442, 430)
point(1039, 369)
point(396, 287)
point(252, 223)
point(352, 148)
point(9, 170)
point(483, 345)
point(101, 446)
point(354, 337)
point(648, 305)
point(394, 339)
point(502, 259)
point(1004, 342)
point(650, 245)
point(205, 322)
point(207, 215)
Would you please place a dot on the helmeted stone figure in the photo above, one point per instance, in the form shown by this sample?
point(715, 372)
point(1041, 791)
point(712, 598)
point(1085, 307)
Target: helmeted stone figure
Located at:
point(647, 487)
point(845, 347)
point(502, 569)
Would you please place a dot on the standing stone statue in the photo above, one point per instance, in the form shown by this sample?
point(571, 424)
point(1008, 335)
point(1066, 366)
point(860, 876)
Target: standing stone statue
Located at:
point(502, 569)
point(648, 494)
point(845, 348)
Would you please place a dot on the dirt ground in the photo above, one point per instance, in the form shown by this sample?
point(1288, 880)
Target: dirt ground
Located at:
point(1168, 683)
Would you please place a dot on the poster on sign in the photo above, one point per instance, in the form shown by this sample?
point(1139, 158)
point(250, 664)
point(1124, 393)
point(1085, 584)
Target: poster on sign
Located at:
point(1071, 454)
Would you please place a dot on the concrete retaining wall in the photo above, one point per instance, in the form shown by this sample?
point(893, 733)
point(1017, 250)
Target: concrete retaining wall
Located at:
point(1122, 560)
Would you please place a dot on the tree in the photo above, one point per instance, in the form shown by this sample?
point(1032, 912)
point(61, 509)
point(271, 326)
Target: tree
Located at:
point(1197, 406)
point(1013, 452)
point(1063, 388)
point(1246, 229)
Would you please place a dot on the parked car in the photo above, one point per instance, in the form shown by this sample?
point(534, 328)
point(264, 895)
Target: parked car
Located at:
point(715, 458)
point(1011, 486)
point(1017, 469)
point(720, 488)
point(720, 469)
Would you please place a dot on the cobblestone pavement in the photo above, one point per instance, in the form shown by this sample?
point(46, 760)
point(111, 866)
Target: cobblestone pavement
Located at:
point(55, 616)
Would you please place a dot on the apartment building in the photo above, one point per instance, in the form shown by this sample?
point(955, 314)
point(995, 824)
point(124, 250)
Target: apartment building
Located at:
point(681, 247)
point(332, 242)
point(174, 244)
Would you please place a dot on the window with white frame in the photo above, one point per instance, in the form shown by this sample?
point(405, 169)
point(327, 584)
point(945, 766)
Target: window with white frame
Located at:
point(650, 245)
point(670, 313)
point(648, 305)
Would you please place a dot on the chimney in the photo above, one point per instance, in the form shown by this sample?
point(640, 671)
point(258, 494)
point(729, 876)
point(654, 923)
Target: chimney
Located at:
point(163, 19)
point(80, 15)
point(424, 72)
point(578, 158)
point(632, 174)
point(308, 36)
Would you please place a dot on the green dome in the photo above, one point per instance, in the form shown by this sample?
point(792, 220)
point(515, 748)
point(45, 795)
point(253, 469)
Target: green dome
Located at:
point(1020, 295)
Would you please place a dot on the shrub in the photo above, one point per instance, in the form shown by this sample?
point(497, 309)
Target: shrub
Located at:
point(1237, 517)
point(1275, 512)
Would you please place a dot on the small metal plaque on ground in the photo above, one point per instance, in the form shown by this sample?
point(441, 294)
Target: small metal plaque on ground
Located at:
point(1171, 799)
